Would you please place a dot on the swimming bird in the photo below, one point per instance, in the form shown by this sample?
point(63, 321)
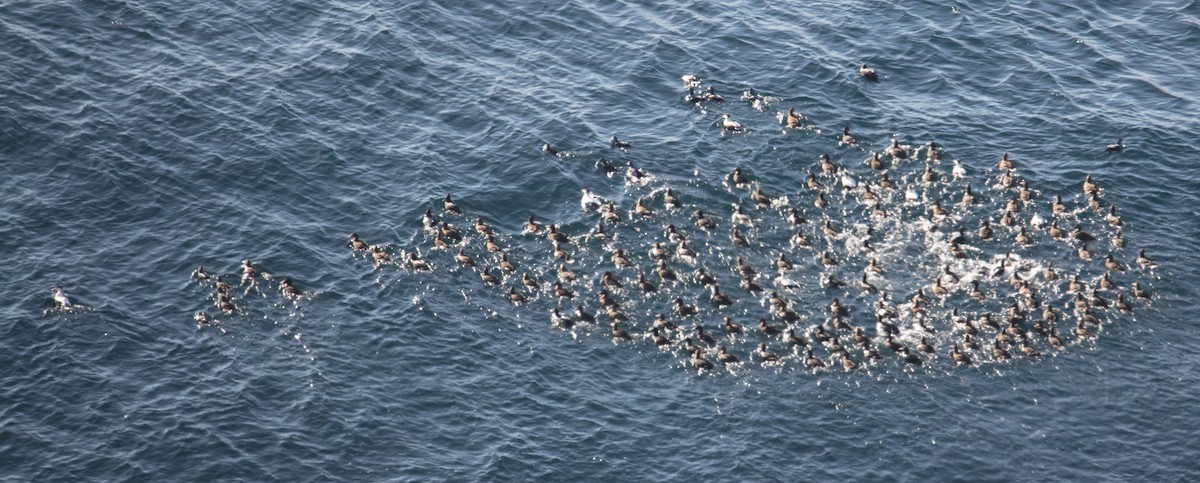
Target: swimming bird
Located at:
point(737, 239)
point(61, 300)
point(868, 73)
point(659, 338)
point(220, 286)
point(1025, 194)
point(931, 151)
point(827, 166)
point(640, 209)
point(705, 278)
point(958, 357)
point(355, 244)
point(414, 261)
point(847, 138)
point(564, 274)
point(886, 183)
point(999, 352)
point(532, 226)
point(450, 233)
point(760, 198)
point(896, 151)
point(725, 357)
point(288, 290)
point(249, 273)
point(200, 275)
point(490, 244)
point(662, 323)
point(782, 263)
point(866, 286)
point(664, 273)
point(617, 333)
point(1112, 264)
point(614, 143)
point(730, 327)
point(794, 340)
point(562, 292)
point(929, 176)
point(812, 361)
point(1005, 164)
point(606, 166)
point(711, 95)
point(1121, 304)
point(683, 309)
point(644, 285)
point(848, 181)
point(813, 184)
point(1115, 148)
point(427, 220)
point(765, 355)
point(633, 174)
point(1112, 218)
point(925, 346)
point(875, 162)
point(669, 200)
point(1137, 291)
point(743, 268)
point(911, 195)
point(728, 124)
point(958, 171)
point(554, 235)
point(985, 229)
point(658, 252)
point(560, 321)
point(1080, 235)
point(704, 223)
point(619, 260)
point(1144, 261)
point(608, 280)
point(449, 206)
point(1090, 187)
point(439, 243)
point(558, 250)
point(737, 178)
point(685, 253)
point(699, 362)
point(792, 119)
point(1023, 238)
point(515, 297)
point(740, 217)
point(820, 201)
point(767, 329)
point(551, 151)
point(529, 282)
point(608, 213)
point(488, 278)
point(590, 201)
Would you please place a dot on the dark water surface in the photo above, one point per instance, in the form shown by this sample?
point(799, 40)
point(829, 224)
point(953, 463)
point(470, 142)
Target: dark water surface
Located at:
point(143, 139)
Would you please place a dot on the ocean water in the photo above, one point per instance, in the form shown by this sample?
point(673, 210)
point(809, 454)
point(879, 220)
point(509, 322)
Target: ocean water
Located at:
point(141, 140)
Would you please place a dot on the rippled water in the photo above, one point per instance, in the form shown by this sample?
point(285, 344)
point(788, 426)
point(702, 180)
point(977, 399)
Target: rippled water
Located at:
point(144, 140)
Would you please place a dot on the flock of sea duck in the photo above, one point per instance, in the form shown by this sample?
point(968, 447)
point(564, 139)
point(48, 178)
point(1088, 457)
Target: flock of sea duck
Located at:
point(884, 255)
point(660, 271)
point(224, 298)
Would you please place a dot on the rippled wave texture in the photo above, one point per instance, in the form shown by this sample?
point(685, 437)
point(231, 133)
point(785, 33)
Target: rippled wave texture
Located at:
point(143, 140)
